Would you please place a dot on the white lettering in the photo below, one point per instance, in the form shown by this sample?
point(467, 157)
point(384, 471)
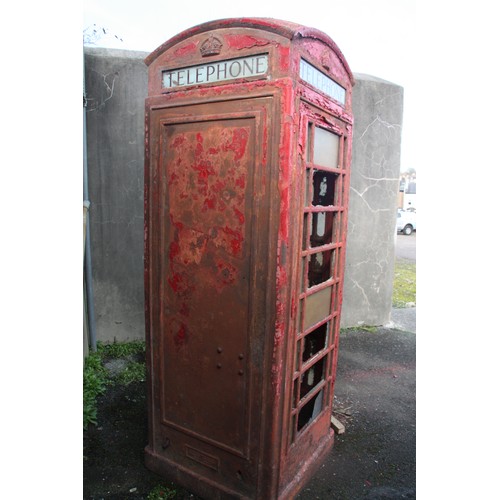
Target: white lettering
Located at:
point(321, 81)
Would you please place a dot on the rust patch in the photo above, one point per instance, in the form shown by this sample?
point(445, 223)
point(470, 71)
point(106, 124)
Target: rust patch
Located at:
point(207, 177)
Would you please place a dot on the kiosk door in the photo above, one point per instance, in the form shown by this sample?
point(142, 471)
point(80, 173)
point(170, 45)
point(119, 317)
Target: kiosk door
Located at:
point(211, 222)
point(320, 270)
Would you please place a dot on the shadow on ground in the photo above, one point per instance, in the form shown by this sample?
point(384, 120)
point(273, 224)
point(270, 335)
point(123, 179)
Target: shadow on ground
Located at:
point(373, 459)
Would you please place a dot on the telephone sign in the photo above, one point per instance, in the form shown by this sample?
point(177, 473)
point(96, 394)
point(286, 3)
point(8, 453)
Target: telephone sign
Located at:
point(220, 71)
point(248, 147)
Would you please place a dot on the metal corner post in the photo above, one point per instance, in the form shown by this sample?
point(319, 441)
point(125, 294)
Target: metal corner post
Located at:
point(89, 289)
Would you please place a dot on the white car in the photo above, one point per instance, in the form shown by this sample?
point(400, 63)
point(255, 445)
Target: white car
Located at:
point(406, 222)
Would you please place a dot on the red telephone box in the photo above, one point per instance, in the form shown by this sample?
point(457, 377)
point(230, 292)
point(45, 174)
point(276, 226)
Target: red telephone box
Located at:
point(248, 146)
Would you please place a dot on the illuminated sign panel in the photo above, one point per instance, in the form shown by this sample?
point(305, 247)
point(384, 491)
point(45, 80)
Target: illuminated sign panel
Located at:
point(219, 71)
point(322, 82)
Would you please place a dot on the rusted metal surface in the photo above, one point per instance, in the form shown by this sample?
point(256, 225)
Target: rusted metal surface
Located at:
point(244, 254)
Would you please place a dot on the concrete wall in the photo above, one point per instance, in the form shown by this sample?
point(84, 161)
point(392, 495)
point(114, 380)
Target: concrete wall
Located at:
point(378, 115)
point(116, 83)
point(116, 86)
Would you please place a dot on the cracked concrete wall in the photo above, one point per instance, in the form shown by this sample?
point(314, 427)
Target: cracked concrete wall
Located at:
point(116, 86)
point(116, 83)
point(369, 272)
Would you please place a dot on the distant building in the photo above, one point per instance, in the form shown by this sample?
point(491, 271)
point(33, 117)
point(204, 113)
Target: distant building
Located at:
point(407, 196)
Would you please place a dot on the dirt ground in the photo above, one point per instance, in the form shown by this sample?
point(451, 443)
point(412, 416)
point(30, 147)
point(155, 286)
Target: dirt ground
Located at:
point(373, 459)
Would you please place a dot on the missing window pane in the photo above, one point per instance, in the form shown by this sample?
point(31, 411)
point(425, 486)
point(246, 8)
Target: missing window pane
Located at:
point(324, 188)
point(315, 342)
point(320, 268)
point(321, 228)
point(310, 411)
point(312, 377)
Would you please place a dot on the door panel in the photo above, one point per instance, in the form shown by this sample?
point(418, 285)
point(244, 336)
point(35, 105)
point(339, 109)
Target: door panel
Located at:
point(212, 228)
point(207, 278)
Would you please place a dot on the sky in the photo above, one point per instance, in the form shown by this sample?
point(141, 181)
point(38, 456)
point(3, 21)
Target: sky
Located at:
point(375, 36)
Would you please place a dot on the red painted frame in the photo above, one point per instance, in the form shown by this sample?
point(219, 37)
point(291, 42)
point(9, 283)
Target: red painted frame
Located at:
point(278, 461)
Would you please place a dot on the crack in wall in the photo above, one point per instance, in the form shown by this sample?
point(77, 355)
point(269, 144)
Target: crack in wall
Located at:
point(362, 290)
point(373, 210)
point(388, 97)
point(384, 123)
point(377, 179)
point(92, 106)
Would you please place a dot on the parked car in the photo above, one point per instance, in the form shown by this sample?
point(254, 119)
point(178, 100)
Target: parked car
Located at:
point(406, 222)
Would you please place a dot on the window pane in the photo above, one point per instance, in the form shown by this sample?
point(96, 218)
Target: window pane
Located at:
point(317, 307)
point(326, 148)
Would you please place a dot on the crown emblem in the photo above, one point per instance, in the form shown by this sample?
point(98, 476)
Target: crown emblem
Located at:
point(211, 46)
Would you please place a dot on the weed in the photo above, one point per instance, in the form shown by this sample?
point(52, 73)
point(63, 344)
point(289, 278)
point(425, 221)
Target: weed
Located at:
point(94, 383)
point(366, 328)
point(161, 493)
point(133, 372)
point(122, 349)
point(96, 378)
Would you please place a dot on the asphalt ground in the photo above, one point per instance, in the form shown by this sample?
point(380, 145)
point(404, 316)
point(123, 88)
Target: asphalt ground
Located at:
point(375, 458)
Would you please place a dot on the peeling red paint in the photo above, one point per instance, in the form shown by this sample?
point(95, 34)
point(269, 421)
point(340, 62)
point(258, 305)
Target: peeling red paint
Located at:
point(178, 283)
point(240, 42)
point(284, 58)
point(189, 48)
point(225, 196)
point(239, 214)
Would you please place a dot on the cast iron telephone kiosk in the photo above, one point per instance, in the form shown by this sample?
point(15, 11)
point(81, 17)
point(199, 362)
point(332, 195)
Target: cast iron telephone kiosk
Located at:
point(248, 146)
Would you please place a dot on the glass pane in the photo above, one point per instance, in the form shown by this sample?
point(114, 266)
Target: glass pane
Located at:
point(310, 410)
point(326, 148)
point(324, 188)
point(317, 307)
point(321, 230)
point(320, 268)
point(315, 342)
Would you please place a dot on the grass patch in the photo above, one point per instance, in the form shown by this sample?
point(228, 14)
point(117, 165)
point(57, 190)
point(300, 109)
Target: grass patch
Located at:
point(365, 328)
point(96, 377)
point(404, 292)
